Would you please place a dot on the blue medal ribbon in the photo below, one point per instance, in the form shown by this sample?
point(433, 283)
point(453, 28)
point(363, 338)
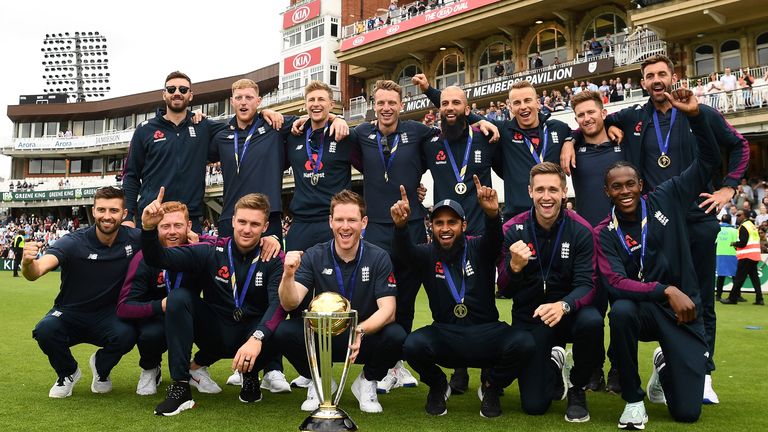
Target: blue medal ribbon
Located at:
point(663, 143)
point(315, 164)
point(168, 281)
point(238, 158)
point(233, 280)
point(643, 234)
point(538, 157)
point(545, 275)
point(460, 173)
point(458, 295)
point(340, 278)
point(387, 163)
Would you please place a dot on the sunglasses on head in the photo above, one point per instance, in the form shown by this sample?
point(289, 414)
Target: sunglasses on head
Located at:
point(172, 89)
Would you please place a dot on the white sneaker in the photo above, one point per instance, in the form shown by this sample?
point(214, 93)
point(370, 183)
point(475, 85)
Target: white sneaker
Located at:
point(634, 416)
point(202, 381)
point(236, 379)
point(313, 401)
point(63, 386)
point(558, 357)
point(365, 392)
point(567, 368)
point(404, 376)
point(654, 389)
point(148, 381)
point(275, 382)
point(98, 385)
point(389, 382)
point(710, 397)
point(302, 382)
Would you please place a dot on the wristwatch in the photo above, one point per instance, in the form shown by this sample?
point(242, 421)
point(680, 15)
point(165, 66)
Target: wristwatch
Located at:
point(258, 335)
point(361, 330)
point(566, 307)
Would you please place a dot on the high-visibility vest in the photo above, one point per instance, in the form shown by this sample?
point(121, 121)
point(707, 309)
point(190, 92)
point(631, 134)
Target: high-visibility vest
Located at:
point(16, 239)
point(752, 250)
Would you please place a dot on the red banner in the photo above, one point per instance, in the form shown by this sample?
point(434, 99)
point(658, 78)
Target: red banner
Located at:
point(301, 14)
point(426, 18)
point(302, 60)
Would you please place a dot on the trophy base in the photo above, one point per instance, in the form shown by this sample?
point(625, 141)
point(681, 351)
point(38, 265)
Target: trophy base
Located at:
point(328, 420)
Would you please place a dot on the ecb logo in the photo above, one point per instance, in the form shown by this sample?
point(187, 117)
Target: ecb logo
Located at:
point(300, 14)
point(393, 29)
point(358, 40)
point(302, 60)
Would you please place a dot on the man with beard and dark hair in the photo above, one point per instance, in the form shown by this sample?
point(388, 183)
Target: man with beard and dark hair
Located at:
point(93, 263)
point(458, 273)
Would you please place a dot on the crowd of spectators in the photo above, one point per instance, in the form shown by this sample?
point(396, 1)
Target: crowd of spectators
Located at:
point(34, 228)
point(751, 197)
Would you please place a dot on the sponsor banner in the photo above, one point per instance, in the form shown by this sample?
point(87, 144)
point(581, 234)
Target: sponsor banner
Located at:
point(536, 77)
point(56, 143)
point(301, 14)
point(428, 17)
point(302, 60)
point(58, 194)
point(7, 265)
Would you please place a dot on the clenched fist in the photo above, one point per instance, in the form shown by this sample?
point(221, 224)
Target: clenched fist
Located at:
point(292, 262)
point(519, 253)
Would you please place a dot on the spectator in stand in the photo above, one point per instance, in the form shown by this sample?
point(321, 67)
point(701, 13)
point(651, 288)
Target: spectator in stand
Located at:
point(714, 87)
point(629, 85)
point(360, 27)
point(499, 69)
point(544, 94)
point(537, 62)
point(567, 96)
point(728, 80)
point(422, 6)
point(595, 47)
point(546, 107)
point(604, 95)
point(748, 190)
point(556, 61)
point(762, 216)
point(10, 186)
point(759, 189)
point(699, 91)
point(604, 88)
point(608, 43)
point(509, 67)
point(591, 86)
point(394, 11)
point(371, 23)
point(559, 104)
point(429, 118)
point(746, 207)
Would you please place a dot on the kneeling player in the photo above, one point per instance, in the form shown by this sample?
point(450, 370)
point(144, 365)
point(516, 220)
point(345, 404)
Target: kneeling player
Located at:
point(466, 330)
point(362, 273)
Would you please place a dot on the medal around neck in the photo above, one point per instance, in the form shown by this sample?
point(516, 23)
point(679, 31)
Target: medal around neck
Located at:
point(329, 314)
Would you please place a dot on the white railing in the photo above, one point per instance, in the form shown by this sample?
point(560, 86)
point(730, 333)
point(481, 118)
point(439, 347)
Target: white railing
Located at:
point(399, 15)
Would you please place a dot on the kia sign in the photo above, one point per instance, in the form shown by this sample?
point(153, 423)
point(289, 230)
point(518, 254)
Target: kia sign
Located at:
point(302, 60)
point(429, 17)
point(301, 14)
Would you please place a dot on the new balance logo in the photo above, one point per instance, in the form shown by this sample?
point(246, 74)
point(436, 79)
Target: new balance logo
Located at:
point(372, 136)
point(230, 137)
point(519, 227)
point(56, 313)
point(327, 271)
point(300, 147)
point(93, 256)
point(661, 217)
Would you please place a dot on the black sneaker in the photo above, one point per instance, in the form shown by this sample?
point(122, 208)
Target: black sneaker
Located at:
point(759, 302)
point(251, 390)
point(612, 384)
point(490, 404)
point(728, 300)
point(597, 380)
point(459, 381)
point(436, 399)
point(179, 398)
point(577, 411)
point(741, 299)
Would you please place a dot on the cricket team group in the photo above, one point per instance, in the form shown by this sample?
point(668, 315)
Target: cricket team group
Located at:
point(648, 181)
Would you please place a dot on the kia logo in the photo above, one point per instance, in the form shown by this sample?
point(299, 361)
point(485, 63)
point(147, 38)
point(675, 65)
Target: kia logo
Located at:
point(302, 60)
point(358, 40)
point(442, 13)
point(300, 14)
point(393, 29)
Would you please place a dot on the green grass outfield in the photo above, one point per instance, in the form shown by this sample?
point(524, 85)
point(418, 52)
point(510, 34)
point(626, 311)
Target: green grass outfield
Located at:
point(741, 381)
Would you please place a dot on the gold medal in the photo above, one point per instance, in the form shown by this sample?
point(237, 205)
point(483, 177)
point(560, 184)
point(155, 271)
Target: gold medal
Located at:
point(460, 310)
point(460, 188)
point(314, 179)
point(664, 161)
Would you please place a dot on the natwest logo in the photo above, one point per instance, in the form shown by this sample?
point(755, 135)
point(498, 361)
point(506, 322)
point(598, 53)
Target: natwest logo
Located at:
point(300, 14)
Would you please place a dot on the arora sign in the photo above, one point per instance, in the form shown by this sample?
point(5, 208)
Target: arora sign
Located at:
point(301, 14)
point(302, 60)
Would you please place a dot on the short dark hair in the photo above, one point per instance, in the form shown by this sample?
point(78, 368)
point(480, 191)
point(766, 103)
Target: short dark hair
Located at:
point(657, 58)
point(620, 164)
point(547, 168)
point(348, 197)
point(585, 96)
point(177, 74)
point(109, 192)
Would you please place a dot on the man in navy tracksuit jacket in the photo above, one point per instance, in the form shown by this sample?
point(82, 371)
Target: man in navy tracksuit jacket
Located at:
point(549, 260)
point(458, 276)
point(646, 262)
point(643, 145)
point(169, 150)
point(143, 297)
point(238, 314)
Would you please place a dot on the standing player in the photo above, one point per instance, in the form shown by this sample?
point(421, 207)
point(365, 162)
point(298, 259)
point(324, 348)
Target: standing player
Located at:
point(657, 144)
point(170, 150)
point(551, 268)
point(466, 330)
point(646, 262)
point(362, 273)
point(236, 316)
point(748, 254)
point(144, 296)
point(93, 263)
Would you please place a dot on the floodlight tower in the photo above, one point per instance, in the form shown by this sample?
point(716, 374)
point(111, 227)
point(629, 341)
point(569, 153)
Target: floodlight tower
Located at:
point(76, 64)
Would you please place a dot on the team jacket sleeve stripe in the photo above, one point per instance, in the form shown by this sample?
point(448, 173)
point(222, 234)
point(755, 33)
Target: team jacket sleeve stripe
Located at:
point(127, 307)
point(274, 313)
point(738, 148)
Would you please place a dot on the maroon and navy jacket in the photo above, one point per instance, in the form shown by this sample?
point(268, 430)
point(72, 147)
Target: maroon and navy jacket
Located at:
point(667, 257)
point(211, 260)
point(572, 274)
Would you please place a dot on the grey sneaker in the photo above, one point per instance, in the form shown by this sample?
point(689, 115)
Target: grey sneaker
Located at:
point(148, 381)
point(558, 357)
point(654, 389)
point(634, 416)
point(275, 382)
point(202, 381)
point(98, 384)
point(63, 386)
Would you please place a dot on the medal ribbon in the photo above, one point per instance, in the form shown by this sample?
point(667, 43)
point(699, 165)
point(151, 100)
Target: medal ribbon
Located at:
point(168, 281)
point(388, 163)
point(545, 276)
point(316, 164)
point(238, 158)
point(340, 278)
point(233, 280)
point(460, 173)
point(663, 144)
point(538, 157)
point(643, 232)
point(457, 295)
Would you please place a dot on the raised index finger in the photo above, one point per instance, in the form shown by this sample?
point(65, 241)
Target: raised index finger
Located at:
point(477, 182)
point(161, 194)
point(403, 195)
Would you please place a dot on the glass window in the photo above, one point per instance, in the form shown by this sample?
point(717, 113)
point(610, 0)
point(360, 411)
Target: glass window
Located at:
point(52, 128)
point(75, 166)
point(292, 39)
point(704, 59)
point(59, 166)
point(292, 81)
point(603, 25)
point(114, 163)
point(37, 130)
point(762, 49)
point(730, 55)
point(550, 43)
point(404, 79)
point(333, 81)
point(96, 165)
point(78, 128)
point(450, 71)
point(25, 130)
point(314, 30)
point(35, 166)
point(47, 166)
point(497, 51)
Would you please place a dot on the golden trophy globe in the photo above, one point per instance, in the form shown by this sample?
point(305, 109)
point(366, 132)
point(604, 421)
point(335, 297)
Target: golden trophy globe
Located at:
point(329, 314)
